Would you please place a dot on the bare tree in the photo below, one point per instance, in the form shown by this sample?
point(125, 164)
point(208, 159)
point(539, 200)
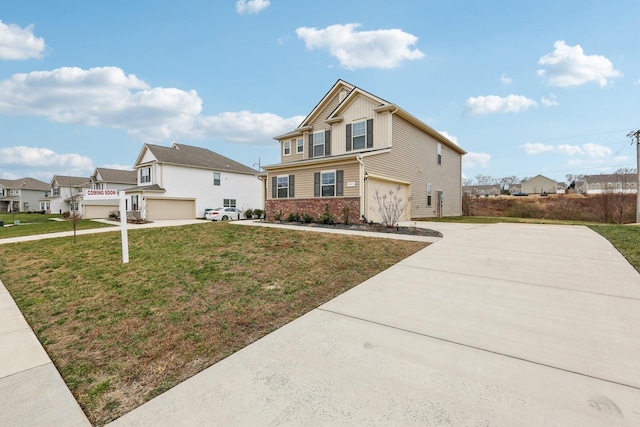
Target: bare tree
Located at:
point(391, 206)
point(485, 179)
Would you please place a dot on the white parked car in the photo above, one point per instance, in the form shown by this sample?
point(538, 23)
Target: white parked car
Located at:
point(223, 214)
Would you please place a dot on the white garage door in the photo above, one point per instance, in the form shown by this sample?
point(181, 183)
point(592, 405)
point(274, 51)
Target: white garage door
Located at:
point(170, 209)
point(98, 211)
point(397, 198)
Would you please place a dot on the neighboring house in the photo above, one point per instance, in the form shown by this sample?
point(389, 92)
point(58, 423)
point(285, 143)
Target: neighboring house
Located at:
point(619, 183)
point(106, 179)
point(354, 145)
point(539, 184)
point(181, 181)
point(482, 190)
point(562, 188)
point(21, 195)
point(65, 194)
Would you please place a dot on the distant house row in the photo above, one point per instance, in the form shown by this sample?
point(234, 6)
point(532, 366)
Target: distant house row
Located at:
point(175, 182)
point(591, 184)
point(353, 156)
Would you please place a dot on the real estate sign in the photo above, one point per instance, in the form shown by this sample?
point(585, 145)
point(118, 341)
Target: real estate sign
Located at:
point(102, 194)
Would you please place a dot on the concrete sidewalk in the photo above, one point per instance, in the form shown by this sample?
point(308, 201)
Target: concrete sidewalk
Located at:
point(502, 324)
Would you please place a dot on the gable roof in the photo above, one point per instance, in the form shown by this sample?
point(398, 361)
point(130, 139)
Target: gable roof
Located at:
point(25, 184)
point(116, 175)
point(383, 106)
point(539, 176)
point(187, 155)
point(70, 181)
point(611, 177)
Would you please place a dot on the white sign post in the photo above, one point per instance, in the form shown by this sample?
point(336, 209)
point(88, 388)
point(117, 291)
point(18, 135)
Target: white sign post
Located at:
point(91, 194)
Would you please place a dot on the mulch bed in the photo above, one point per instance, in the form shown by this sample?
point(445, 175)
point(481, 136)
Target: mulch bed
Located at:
point(376, 228)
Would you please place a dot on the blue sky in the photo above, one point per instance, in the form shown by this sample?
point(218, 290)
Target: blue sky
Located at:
point(527, 88)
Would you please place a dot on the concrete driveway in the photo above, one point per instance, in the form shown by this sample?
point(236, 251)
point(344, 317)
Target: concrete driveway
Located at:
point(502, 324)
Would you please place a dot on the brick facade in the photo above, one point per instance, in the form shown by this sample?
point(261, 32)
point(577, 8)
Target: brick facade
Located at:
point(315, 207)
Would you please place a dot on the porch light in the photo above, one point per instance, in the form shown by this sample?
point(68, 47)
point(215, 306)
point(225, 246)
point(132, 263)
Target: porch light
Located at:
point(366, 175)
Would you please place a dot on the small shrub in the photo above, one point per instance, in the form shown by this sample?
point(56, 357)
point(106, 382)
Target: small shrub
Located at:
point(293, 217)
point(307, 219)
point(248, 213)
point(278, 215)
point(326, 217)
point(258, 213)
point(345, 215)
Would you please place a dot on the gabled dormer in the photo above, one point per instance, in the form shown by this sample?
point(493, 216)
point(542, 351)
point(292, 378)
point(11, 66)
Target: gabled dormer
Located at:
point(343, 122)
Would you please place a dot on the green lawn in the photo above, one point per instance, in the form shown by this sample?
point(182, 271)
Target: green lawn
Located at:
point(31, 224)
point(625, 238)
point(121, 334)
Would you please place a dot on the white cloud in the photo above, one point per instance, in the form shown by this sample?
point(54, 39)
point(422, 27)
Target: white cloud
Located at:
point(19, 43)
point(569, 150)
point(107, 97)
point(244, 7)
point(506, 80)
point(596, 151)
point(536, 148)
point(44, 160)
point(449, 136)
point(495, 104)
point(590, 150)
point(569, 66)
point(245, 126)
point(550, 101)
point(117, 166)
point(470, 160)
point(362, 49)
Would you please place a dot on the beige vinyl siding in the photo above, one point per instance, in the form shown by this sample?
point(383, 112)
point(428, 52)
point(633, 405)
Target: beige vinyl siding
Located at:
point(361, 108)
point(539, 184)
point(304, 179)
point(319, 121)
point(294, 156)
point(413, 158)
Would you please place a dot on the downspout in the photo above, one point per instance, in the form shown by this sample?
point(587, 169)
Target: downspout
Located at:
point(363, 200)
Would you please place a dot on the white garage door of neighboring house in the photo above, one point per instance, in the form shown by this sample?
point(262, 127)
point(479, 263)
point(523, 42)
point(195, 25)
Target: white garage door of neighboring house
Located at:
point(170, 209)
point(384, 187)
point(98, 211)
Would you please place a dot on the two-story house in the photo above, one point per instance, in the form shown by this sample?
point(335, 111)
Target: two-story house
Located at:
point(181, 181)
point(355, 148)
point(21, 195)
point(65, 194)
point(107, 179)
point(610, 183)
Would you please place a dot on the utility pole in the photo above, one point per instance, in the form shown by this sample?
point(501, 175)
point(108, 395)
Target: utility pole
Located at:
point(636, 135)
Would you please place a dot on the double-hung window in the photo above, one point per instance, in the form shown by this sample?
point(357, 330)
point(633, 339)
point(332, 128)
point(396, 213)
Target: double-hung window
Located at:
point(328, 183)
point(56, 191)
point(428, 194)
point(439, 153)
point(300, 145)
point(318, 144)
point(286, 148)
point(145, 175)
point(229, 203)
point(359, 135)
point(134, 203)
point(216, 178)
point(283, 186)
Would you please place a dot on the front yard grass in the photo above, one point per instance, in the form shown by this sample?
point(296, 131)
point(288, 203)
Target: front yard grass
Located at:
point(120, 334)
point(31, 224)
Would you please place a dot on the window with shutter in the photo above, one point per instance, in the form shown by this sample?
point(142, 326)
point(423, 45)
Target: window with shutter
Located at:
point(359, 135)
point(318, 144)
